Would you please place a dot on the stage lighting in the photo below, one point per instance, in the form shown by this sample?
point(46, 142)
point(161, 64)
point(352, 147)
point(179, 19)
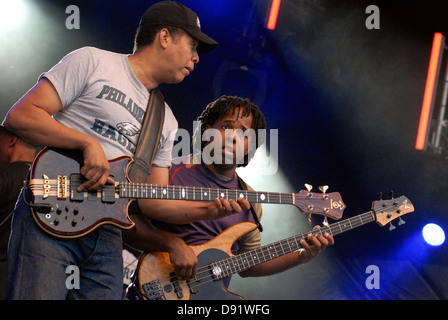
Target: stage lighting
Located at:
point(433, 234)
point(429, 98)
point(273, 15)
point(12, 13)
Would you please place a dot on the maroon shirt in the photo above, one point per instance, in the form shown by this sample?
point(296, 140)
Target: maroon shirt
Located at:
point(198, 175)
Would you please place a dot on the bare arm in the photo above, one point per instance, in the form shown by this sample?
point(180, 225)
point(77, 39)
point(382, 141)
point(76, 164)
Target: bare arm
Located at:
point(181, 211)
point(288, 261)
point(144, 236)
point(31, 119)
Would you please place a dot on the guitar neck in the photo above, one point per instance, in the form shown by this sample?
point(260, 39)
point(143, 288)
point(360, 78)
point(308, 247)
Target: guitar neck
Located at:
point(274, 250)
point(149, 191)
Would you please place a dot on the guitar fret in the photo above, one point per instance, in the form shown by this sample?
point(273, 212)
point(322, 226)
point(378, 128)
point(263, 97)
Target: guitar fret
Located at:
point(149, 191)
point(281, 247)
point(239, 262)
point(270, 254)
point(295, 246)
point(255, 257)
point(232, 267)
point(227, 269)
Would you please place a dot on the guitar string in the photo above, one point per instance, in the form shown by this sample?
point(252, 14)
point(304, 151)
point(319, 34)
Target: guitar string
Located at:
point(185, 191)
point(139, 187)
point(270, 247)
point(202, 193)
point(276, 246)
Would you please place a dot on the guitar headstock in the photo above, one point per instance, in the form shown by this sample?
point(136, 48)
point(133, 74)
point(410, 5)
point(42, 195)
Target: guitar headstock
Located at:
point(388, 210)
point(326, 204)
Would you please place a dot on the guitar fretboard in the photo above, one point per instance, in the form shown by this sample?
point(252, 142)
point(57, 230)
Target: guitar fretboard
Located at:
point(149, 191)
point(244, 261)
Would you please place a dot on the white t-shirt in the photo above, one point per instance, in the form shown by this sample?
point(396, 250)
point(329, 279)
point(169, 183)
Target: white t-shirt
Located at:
point(101, 97)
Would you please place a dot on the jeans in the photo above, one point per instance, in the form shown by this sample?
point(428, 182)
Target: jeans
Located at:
point(41, 267)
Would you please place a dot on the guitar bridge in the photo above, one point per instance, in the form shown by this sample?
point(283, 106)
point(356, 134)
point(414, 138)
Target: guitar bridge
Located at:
point(153, 290)
point(46, 186)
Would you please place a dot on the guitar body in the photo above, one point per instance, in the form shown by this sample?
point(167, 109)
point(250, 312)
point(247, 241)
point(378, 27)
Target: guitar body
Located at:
point(62, 211)
point(69, 213)
point(157, 281)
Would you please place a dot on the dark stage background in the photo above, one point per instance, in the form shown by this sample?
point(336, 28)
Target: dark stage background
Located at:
point(346, 102)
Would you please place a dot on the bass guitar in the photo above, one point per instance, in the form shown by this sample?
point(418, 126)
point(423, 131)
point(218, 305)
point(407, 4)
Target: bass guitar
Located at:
point(62, 211)
point(156, 279)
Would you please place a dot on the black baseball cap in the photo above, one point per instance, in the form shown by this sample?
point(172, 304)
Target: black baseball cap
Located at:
point(172, 13)
point(4, 130)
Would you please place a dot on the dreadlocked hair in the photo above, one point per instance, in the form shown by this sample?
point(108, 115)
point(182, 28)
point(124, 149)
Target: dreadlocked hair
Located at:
point(219, 108)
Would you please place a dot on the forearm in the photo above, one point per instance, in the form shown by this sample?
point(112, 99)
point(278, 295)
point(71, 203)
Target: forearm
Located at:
point(311, 247)
point(31, 119)
point(170, 211)
point(176, 211)
point(145, 237)
point(182, 211)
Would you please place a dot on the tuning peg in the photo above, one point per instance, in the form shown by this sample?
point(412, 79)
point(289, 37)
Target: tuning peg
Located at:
point(308, 187)
point(379, 196)
point(391, 227)
point(323, 189)
point(401, 222)
point(391, 194)
point(325, 222)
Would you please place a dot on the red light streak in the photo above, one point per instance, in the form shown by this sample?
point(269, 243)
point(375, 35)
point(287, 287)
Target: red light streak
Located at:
point(429, 90)
point(272, 21)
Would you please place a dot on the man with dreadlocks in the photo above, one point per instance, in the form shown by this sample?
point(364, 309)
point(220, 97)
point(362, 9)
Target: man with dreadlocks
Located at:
point(225, 126)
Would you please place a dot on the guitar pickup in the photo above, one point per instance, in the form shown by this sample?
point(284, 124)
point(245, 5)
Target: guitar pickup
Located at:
point(193, 285)
point(62, 187)
point(75, 181)
point(108, 193)
point(177, 288)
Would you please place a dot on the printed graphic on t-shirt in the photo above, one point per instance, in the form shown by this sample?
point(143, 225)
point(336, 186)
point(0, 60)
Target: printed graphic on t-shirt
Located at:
point(124, 129)
point(119, 97)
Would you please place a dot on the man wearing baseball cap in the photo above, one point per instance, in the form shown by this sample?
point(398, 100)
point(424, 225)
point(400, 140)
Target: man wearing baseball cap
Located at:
point(93, 102)
point(172, 13)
